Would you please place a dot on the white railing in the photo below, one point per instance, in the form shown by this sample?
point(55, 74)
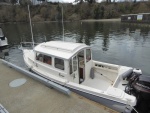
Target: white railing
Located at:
point(105, 66)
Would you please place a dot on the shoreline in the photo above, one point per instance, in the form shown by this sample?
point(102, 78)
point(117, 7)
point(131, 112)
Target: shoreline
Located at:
point(86, 20)
point(102, 20)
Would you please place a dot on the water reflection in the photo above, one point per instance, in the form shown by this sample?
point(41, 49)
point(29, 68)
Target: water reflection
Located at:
point(105, 32)
point(113, 42)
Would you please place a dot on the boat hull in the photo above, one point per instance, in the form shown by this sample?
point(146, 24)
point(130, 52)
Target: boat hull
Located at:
point(120, 107)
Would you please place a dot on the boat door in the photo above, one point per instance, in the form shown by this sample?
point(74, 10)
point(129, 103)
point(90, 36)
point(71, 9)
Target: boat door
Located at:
point(81, 58)
point(74, 70)
point(88, 62)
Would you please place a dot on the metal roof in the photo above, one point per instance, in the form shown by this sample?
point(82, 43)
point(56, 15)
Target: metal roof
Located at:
point(60, 49)
point(129, 14)
point(134, 14)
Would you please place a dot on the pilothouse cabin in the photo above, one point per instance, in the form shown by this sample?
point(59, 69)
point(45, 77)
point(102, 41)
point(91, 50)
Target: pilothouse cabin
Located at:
point(65, 59)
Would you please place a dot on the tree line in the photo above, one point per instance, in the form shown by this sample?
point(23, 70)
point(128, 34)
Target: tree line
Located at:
point(86, 10)
point(24, 2)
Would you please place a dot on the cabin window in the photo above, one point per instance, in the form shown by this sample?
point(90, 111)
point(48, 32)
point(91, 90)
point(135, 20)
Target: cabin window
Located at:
point(44, 58)
point(75, 64)
point(88, 55)
point(47, 59)
point(59, 63)
point(39, 57)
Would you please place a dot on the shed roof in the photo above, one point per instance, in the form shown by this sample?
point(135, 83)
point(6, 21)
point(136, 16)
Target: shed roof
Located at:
point(135, 14)
point(60, 49)
point(129, 14)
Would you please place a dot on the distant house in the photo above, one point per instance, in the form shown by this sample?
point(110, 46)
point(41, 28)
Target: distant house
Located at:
point(36, 2)
point(139, 18)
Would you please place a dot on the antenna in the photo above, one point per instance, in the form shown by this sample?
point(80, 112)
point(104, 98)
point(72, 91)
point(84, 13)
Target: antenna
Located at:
point(63, 23)
point(31, 26)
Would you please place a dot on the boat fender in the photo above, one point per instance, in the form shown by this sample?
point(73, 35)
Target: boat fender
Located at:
point(127, 73)
point(92, 73)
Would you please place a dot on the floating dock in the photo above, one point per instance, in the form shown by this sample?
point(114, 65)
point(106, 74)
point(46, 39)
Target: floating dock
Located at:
point(35, 97)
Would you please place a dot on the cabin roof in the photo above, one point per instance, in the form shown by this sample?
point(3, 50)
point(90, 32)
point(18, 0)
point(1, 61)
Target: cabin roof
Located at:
point(60, 49)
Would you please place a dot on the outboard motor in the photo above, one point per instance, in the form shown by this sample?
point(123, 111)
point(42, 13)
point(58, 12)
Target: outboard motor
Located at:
point(131, 78)
point(142, 86)
point(139, 86)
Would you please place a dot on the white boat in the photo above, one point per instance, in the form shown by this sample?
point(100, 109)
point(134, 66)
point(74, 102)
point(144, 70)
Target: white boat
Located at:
point(71, 65)
point(3, 39)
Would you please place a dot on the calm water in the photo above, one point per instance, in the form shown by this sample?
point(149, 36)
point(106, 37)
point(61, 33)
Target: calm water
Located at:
point(112, 42)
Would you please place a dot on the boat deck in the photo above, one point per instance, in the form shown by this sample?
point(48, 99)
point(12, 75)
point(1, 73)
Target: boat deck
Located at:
point(102, 80)
point(34, 97)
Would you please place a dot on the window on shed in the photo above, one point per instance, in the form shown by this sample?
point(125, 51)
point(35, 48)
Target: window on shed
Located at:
point(59, 63)
point(88, 55)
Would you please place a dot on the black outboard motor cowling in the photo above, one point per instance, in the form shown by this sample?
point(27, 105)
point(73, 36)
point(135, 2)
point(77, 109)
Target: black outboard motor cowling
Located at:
point(141, 89)
point(139, 86)
point(142, 86)
point(131, 79)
